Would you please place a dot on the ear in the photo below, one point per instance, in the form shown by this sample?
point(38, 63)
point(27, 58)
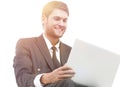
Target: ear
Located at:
point(44, 18)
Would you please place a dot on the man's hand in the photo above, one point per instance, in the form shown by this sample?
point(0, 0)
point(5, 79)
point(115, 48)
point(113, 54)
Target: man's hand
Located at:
point(58, 74)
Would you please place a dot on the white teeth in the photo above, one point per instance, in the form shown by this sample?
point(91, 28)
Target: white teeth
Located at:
point(59, 30)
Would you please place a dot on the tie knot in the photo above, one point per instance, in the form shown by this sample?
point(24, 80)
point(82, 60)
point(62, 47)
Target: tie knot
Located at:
point(54, 48)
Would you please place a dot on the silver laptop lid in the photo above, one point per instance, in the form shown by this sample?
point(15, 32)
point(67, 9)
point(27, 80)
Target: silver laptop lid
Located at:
point(94, 66)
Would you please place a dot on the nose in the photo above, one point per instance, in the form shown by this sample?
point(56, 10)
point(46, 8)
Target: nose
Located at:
point(62, 23)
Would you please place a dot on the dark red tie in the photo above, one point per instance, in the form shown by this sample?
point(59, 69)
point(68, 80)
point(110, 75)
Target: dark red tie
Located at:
point(54, 58)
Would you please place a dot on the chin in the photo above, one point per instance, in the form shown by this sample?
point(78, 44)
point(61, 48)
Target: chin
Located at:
point(60, 36)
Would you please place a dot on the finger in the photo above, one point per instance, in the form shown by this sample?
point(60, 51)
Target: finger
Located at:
point(65, 76)
point(66, 72)
point(65, 68)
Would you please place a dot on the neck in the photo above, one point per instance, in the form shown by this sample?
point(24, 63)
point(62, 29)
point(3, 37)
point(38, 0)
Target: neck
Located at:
point(52, 40)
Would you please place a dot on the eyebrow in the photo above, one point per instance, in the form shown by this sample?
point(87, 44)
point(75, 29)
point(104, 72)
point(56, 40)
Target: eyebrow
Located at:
point(60, 17)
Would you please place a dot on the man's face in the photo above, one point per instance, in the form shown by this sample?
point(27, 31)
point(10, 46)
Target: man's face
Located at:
point(55, 24)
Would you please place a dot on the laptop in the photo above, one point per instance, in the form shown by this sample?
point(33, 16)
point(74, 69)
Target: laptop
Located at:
point(94, 66)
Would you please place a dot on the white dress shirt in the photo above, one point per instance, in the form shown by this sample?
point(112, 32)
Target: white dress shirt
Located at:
point(37, 82)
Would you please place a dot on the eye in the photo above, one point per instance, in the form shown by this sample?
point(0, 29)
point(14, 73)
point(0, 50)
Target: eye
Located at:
point(57, 18)
point(64, 20)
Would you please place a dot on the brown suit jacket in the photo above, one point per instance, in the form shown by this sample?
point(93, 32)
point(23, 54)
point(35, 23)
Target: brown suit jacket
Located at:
point(32, 58)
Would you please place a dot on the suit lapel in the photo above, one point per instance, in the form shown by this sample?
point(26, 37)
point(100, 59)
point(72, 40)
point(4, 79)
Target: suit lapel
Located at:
point(44, 50)
point(64, 53)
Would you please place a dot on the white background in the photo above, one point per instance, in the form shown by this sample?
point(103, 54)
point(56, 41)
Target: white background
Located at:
point(94, 21)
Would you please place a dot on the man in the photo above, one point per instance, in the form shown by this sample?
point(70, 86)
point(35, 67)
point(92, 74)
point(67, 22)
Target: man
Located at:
point(33, 62)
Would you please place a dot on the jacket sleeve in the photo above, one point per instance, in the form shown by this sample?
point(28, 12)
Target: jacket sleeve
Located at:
point(23, 65)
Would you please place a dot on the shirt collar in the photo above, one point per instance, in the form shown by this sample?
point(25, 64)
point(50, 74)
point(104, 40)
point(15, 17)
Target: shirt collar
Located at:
point(48, 43)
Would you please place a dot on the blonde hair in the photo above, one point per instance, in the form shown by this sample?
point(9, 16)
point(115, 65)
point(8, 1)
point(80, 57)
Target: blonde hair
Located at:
point(50, 6)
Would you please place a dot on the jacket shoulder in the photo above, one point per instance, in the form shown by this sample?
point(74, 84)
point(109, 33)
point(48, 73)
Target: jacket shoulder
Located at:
point(26, 41)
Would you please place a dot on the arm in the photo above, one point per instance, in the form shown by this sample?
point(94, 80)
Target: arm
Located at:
point(23, 65)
